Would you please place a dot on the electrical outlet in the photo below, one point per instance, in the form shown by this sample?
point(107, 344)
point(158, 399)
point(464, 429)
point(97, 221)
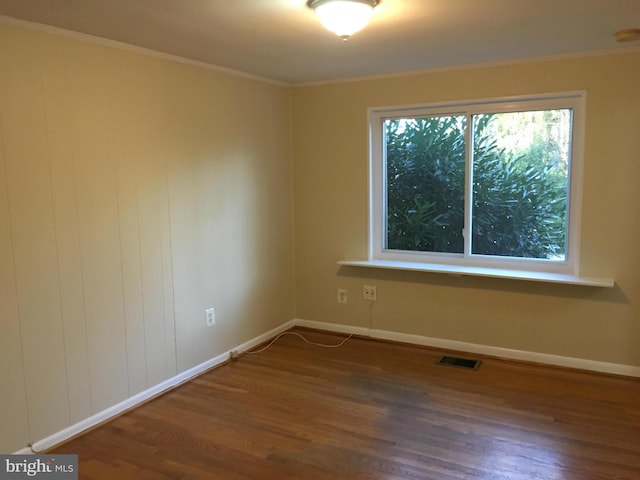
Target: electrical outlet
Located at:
point(342, 295)
point(369, 292)
point(210, 317)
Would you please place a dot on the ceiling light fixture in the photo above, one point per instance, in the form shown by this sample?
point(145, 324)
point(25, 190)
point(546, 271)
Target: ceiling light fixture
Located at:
point(343, 17)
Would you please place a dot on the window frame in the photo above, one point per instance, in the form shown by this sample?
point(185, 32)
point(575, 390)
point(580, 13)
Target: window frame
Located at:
point(377, 182)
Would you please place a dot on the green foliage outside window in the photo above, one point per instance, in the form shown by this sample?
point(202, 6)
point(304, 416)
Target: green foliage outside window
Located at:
point(519, 189)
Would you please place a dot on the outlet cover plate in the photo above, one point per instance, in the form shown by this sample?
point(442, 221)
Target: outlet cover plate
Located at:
point(369, 292)
point(342, 295)
point(210, 317)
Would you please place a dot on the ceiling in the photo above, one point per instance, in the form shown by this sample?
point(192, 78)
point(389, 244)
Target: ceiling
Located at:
point(282, 40)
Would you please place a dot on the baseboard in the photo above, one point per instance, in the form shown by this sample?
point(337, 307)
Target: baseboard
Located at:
point(23, 451)
point(333, 327)
point(142, 397)
point(521, 355)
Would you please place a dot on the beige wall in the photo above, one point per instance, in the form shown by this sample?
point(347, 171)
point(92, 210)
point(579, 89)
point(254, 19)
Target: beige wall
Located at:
point(134, 192)
point(331, 217)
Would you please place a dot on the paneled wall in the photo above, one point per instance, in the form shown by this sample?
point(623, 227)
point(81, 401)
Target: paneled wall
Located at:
point(134, 193)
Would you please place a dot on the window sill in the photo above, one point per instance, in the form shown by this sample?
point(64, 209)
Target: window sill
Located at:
point(456, 270)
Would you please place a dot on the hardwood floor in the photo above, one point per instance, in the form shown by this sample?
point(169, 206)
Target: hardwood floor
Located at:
point(373, 410)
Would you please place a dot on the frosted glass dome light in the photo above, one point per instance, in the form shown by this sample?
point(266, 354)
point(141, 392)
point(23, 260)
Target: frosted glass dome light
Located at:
point(343, 17)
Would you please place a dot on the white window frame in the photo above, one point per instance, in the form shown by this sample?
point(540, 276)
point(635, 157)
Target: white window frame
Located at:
point(377, 222)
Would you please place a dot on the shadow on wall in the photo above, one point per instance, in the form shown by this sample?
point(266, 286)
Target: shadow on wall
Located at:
point(577, 292)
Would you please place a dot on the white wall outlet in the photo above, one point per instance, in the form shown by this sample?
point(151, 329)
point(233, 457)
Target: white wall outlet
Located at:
point(342, 295)
point(369, 292)
point(210, 317)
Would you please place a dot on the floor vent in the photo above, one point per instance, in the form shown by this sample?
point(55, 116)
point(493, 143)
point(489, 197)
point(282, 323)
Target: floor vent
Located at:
point(466, 363)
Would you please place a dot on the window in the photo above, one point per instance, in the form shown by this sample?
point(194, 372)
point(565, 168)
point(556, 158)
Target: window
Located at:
point(492, 183)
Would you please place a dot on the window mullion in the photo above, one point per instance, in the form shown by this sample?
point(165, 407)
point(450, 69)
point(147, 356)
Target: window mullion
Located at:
point(468, 185)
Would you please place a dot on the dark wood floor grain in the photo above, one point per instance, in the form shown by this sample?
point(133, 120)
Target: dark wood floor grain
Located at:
point(373, 410)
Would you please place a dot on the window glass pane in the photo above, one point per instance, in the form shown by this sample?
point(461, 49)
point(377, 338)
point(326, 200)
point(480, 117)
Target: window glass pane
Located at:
point(520, 183)
point(425, 181)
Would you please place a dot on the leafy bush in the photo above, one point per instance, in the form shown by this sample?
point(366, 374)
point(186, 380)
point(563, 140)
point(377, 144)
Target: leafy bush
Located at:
point(519, 197)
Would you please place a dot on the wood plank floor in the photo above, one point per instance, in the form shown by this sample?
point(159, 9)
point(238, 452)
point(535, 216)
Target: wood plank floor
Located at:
point(373, 410)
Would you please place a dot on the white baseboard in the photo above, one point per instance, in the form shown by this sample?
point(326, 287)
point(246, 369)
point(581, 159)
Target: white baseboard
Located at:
point(333, 327)
point(142, 397)
point(23, 451)
point(522, 355)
